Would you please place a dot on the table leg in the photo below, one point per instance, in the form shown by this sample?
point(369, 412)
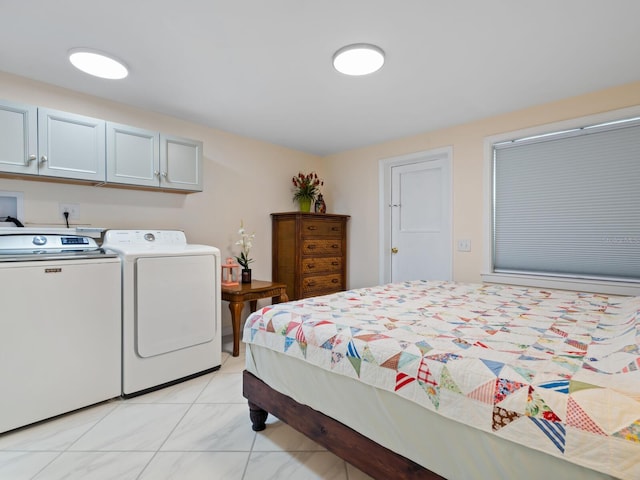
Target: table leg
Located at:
point(236, 315)
point(253, 305)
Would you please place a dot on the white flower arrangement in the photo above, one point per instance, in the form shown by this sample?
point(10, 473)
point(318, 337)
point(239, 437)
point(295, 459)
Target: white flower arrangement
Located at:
point(245, 243)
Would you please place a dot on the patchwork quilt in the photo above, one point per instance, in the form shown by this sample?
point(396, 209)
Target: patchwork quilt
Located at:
point(554, 370)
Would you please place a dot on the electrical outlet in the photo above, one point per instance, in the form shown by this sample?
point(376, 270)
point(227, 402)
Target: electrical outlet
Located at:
point(464, 245)
point(72, 208)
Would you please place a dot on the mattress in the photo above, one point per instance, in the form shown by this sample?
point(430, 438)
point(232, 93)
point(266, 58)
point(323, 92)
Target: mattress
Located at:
point(492, 369)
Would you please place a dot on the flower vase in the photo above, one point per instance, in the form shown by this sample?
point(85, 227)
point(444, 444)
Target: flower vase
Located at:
point(246, 275)
point(305, 204)
point(320, 206)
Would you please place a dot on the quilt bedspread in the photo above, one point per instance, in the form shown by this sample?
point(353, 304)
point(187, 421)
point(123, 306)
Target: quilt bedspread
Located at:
point(554, 370)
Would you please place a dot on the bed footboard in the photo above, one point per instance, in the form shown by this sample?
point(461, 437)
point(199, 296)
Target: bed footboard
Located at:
point(358, 450)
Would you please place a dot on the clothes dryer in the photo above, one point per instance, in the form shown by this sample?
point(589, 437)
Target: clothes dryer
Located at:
point(171, 327)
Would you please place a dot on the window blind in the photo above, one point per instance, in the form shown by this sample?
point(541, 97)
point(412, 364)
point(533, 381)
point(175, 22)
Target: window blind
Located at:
point(568, 203)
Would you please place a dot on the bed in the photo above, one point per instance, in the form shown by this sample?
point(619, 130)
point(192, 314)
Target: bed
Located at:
point(457, 381)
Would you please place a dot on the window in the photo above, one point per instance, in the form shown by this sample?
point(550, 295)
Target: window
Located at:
point(565, 208)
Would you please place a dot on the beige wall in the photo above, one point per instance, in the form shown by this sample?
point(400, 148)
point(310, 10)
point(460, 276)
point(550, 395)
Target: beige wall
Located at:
point(353, 177)
point(243, 179)
point(248, 179)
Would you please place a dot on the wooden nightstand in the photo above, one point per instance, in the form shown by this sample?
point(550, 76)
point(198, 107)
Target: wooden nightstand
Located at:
point(251, 292)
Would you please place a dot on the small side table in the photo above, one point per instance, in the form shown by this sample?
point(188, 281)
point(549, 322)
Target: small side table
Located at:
point(251, 292)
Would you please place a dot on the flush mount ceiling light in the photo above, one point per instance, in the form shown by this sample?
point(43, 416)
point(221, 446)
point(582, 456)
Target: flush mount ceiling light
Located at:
point(358, 59)
point(97, 64)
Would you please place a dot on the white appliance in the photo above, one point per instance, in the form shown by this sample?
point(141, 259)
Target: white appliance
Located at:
point(60, 327)
point(170, 308)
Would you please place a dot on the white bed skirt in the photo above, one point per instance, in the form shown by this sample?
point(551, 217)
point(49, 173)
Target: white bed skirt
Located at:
point(448, 448)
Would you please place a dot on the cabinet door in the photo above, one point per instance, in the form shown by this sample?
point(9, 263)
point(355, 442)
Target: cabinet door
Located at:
point(71, 146)
point(133, 155)
point(180, 163)
point(18, 138)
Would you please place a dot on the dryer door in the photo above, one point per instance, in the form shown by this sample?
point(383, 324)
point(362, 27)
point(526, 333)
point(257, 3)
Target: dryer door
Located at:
point(175, 303)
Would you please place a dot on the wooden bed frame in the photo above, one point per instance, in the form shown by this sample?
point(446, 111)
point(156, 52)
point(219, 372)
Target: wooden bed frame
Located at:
point(358, 450)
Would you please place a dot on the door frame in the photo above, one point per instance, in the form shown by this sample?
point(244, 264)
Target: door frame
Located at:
point(385, 166)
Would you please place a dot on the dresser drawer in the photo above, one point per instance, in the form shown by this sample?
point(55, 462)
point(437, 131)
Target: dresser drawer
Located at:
point(322, 247)
point(313, 265)
point(321, 284)
point(321, 228)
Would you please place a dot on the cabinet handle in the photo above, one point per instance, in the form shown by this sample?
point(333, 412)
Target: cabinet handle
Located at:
point(43, 159)
point(156, 173)
point(31, 159)
point(164, 174)
point(311, 227)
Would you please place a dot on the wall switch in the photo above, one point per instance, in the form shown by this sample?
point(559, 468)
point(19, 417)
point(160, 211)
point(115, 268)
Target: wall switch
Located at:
point(464, 245)
point(72, 208)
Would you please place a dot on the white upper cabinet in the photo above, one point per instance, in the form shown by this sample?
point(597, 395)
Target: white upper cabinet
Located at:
point(18, 138)
point(133, 155)
point(151, 159)
point(71, 146)
point(46, 142)
point(180, 163)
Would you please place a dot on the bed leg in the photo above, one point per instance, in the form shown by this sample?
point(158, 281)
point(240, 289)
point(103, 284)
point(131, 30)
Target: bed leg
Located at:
point(258, 417)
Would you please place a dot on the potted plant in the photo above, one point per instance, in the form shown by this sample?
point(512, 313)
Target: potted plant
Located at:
point(305, 189)
point(245, 243)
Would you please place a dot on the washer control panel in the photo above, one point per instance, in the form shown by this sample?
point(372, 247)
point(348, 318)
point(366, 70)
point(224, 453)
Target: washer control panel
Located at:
point(21, 243)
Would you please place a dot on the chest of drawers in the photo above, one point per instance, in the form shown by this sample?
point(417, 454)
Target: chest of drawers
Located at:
point(309, 253)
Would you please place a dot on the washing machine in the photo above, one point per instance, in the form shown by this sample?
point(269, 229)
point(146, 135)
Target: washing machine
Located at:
point(60, 326)
point(171, 323)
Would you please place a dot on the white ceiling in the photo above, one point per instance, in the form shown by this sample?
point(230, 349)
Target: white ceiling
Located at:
point(262, 68)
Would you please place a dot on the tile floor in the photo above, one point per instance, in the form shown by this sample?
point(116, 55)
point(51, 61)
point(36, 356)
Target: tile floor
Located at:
point(198, 429)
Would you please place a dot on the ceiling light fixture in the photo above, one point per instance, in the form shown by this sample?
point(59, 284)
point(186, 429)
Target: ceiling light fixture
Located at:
point(358, 59)
point(97, 63)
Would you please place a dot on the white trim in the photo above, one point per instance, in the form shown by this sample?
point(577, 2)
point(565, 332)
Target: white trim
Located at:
point(488, 275)
point(384, 199)
point(582, 285)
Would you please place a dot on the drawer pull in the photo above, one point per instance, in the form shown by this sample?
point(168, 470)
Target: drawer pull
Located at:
point(334, 280)
point(311, 284)
point(311, 266)
point(311, 246)
point(335, 264)
point(335, 245)
point(311, 227)
point(335, 229)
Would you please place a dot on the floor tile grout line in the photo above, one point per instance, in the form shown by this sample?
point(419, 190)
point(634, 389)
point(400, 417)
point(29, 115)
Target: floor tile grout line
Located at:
point(253, 443)
point(155, 454)
point(44, 467)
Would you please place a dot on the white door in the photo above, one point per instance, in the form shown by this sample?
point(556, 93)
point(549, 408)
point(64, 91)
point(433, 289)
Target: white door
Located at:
point(417, 234)
point(180, 163)
point(175, 303)
point(71, 146)
point(18, 138)
point(133, 155)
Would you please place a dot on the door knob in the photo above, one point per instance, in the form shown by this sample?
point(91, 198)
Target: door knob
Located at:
point(394, 250)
